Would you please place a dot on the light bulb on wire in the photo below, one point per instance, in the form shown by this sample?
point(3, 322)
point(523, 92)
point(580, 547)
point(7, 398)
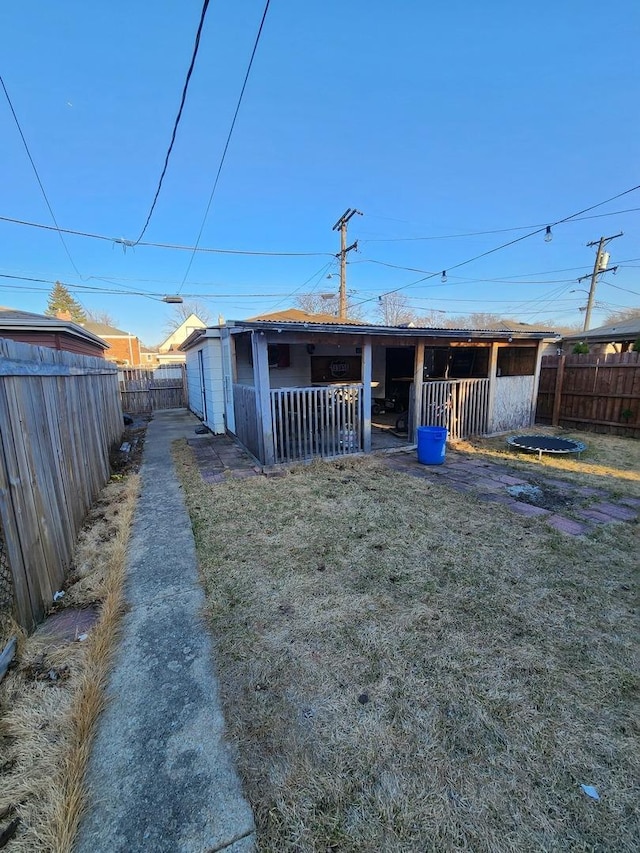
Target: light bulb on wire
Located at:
point(443, 277)
point(548, 237)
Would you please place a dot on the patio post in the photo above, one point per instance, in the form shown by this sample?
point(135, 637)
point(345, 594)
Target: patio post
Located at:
point(418, 380)
point(227, 379)
point(493, 373)
point(366, 395)
point(536, 383)
point(263, 397)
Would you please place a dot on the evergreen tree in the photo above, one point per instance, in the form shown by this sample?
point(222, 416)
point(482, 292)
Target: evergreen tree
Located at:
point(61, 300)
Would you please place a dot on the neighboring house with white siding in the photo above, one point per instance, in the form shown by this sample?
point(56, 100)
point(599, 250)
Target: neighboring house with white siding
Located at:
point(169, 350)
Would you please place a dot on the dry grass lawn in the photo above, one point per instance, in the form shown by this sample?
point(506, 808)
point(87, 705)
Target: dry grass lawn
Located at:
point(50, 702)
point(406, 669)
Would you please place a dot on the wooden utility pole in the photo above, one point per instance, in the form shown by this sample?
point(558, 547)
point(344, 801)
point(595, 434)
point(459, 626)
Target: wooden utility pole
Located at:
point(600, 266)
point(342, 254)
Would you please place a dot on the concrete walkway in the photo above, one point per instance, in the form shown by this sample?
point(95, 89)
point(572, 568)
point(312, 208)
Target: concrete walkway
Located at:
point(161, 777)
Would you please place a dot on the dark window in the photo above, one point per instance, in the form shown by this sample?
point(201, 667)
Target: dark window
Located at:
point(279, 355)
point(436, 361)
point(469, 363)
point(517, 361)
point(456, 363)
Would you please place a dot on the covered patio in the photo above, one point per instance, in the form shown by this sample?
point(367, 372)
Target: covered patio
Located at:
point(291, 391)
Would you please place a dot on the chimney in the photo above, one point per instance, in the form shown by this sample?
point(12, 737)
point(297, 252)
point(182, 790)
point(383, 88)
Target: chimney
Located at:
point(63, 315)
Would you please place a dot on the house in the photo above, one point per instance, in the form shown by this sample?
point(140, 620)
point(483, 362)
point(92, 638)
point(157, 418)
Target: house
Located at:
point(169, 350)
point(124, 347)
point(293, 389)
point(615, 337)
point(44, 331)
point(148, 356)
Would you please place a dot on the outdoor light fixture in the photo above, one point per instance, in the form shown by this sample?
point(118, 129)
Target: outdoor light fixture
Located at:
point(443, 277)
point(172, 299)
point(548, 237)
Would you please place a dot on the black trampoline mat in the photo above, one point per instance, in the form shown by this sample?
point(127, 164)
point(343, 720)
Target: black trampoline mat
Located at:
point(546, 443)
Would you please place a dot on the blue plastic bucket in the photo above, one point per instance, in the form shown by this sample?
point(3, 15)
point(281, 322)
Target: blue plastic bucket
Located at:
point(431, 445)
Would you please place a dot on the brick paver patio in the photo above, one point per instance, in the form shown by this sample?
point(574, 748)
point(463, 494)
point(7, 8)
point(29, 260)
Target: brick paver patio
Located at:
point(569, 508)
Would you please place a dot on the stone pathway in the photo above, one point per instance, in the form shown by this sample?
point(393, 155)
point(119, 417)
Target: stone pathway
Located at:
point(571, 509)
point(219, 457)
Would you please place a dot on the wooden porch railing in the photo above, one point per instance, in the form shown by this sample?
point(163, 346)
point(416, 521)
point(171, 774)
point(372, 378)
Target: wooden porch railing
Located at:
point(246, 418)
point(460, 405)
point(310, 422)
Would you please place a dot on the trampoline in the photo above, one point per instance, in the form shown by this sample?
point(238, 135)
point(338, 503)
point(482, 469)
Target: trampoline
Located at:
point(546, 444)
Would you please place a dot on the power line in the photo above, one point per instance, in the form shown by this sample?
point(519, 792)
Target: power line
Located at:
point(86, 288)
point(174, 246)
point(482, 233)
point(35, 170)
point(316, 274)
point(617, 287)
point(178, 117)
point(462, 280)
point(510, 242)
point(226, 146)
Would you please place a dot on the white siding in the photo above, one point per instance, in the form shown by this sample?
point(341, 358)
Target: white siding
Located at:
point(511, 403)
point(213, 383)
point(244, 368)
point(298, 374)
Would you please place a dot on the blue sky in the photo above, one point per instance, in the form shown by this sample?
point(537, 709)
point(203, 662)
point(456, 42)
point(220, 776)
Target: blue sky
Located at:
point(434, 119)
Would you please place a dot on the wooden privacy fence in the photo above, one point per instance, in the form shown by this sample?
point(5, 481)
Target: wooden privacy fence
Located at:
point(584, 391)
point(460, 405)
point(59, 415)
point(311, 422)
point(147, 389)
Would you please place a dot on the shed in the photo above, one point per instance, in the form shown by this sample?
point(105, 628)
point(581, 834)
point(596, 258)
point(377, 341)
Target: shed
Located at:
point(294, 389)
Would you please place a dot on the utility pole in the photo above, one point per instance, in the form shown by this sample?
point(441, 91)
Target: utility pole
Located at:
point(342, 254)
point(600, 266)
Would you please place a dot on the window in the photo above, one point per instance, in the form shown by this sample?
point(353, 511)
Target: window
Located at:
point(278, 355)
point(456, 362)
point(517, 361)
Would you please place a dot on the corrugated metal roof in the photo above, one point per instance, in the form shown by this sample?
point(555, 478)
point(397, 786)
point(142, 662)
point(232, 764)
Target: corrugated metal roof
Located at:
point(626, 329)
point(296, 315)
point(393, 331)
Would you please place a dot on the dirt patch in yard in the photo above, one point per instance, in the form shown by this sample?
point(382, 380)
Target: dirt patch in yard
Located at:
point(405, 669)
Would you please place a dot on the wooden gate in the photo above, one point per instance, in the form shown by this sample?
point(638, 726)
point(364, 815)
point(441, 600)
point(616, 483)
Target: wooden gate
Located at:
point(310, 422)
point(460, 405)
point(147, 389)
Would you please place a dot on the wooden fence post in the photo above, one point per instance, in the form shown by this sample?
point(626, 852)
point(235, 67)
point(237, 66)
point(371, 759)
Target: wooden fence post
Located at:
point(557, 394)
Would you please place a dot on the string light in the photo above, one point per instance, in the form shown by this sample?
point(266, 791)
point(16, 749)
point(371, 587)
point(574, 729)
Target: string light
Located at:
point(443, 277)
point(548, 237)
